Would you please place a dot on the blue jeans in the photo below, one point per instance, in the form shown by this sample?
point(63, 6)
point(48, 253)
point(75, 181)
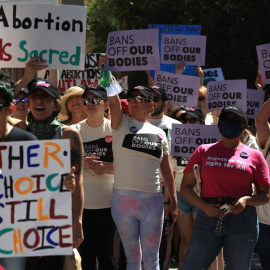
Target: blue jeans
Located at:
point(263, 246)
point(238, 237)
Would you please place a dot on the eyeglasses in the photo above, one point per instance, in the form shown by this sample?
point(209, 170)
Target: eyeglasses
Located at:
point(201, 98)
point(190, 120)
point(156, 98)
point(137, 99)
point(235, 121)
point(41, 97)
point(17, 101)
point(2, 106)
point(94, 100)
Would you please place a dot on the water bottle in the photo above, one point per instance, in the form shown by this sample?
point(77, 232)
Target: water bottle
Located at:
point(105, 78)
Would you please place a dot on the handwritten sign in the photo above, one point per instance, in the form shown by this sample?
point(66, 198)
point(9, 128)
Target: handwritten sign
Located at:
point(35, 216)
point(263, 52)
point(182, 89)
point(133, 50)
point(183, 48)
point(224, 93)
point(255, 101)
point(212, 74)
point(187, 138)
point(56, 33)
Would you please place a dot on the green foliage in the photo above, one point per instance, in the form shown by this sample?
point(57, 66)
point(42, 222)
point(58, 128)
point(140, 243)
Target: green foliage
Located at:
point(233, 28)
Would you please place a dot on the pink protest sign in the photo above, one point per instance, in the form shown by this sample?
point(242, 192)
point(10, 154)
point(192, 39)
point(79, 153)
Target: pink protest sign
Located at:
point(224, 93)
point(182, 89)
point(183, 48)
point(263, 52)
point(187, 138)
point(133, 50)
point(255, 100)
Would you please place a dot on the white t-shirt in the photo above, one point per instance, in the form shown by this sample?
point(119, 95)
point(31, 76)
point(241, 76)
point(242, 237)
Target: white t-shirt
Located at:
point(263, 211)
point(98, 140)
point(138, 149)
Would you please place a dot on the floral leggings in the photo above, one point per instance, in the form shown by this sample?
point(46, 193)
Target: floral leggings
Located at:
point(139, 219)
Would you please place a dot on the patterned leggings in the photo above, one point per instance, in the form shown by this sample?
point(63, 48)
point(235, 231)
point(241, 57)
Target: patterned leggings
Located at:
point(139, 219)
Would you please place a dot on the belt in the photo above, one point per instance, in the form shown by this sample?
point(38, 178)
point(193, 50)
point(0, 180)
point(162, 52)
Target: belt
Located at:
point(219, 200)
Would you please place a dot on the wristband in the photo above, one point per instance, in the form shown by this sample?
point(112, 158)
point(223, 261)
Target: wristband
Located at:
point(166, 203)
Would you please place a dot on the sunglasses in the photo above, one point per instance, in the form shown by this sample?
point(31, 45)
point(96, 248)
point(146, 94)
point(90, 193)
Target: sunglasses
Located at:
point(17, 101)
point(201, 98)
point(234, 121)
point(94, 100)
point(190, 120)
point(2, 106)
point(42, 97)
point(137, 99)
point(156, 99)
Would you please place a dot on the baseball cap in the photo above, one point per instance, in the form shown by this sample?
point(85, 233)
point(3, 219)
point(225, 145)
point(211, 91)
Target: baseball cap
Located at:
point(161, 92)
point(232, 109)
point(97, 90)
point(45, 85)
point(194, 112)
point(145, 91)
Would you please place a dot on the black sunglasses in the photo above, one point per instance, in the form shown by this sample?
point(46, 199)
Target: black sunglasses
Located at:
point(17, 101)
point(137, 98)
point(3, 105)
point(235, 121)
point(190, 120)
point(94, 100)
point(201, 98)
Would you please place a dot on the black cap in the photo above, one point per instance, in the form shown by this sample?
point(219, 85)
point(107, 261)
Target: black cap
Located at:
point(97, 90)
point(161, 92)
point(24, 90)
point(145, 91)
point(232, 109)
point(194, 112)
point(45, 85)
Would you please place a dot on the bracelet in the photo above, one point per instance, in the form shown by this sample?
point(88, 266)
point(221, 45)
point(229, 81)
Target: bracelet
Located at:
point(166, 203)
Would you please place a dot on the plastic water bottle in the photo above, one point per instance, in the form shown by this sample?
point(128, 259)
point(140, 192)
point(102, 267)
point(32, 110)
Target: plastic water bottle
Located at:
point(105, 78)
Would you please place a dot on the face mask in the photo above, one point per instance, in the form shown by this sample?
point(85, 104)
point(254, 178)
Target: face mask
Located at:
point(230, 131)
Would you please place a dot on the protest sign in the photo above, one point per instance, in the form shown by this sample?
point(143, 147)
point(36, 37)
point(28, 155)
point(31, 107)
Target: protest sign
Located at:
point(212, 74)
point(56, 33)
point(182, 89)
point(224, 93)
point(263, 52)
point(183, 48)
point(187, 138)
point(255, 101)
point(36, 216)
point(175, 29)
point(132, 50)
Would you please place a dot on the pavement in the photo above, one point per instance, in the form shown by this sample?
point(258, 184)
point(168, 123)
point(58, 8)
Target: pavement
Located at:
point(255, 264)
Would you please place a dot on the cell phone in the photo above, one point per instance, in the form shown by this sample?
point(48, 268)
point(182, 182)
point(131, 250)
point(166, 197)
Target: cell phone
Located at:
point(170, 220)
point(226, 208)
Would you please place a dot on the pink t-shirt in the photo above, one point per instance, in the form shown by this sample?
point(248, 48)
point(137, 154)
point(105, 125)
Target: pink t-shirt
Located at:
point(229, 172)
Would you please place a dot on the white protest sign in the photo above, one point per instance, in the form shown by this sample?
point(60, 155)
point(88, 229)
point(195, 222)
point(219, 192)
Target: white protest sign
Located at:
point(263, 52)
point(187, 138)
point(182, 89)
point(255, 101)
point(224, 93)
point(183, 48)
point(36, 209)
point(56, 33)
point(123, 82)
point(212, 74)
point(133, 50)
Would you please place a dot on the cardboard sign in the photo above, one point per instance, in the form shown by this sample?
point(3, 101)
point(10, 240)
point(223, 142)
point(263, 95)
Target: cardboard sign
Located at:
point(255, 101)
point(56, 33)
point(183, 48)
point(212, 74)
point(70, 78)
point(36, 215)
point(132, 50)
point(187, 138)
point(229, 92)
point(263, 52)
point(182, 89)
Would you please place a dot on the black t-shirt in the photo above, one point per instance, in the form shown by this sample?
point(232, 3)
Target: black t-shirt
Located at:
point(17, 134)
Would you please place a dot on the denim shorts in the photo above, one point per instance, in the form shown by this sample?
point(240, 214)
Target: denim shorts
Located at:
point(185, 206)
